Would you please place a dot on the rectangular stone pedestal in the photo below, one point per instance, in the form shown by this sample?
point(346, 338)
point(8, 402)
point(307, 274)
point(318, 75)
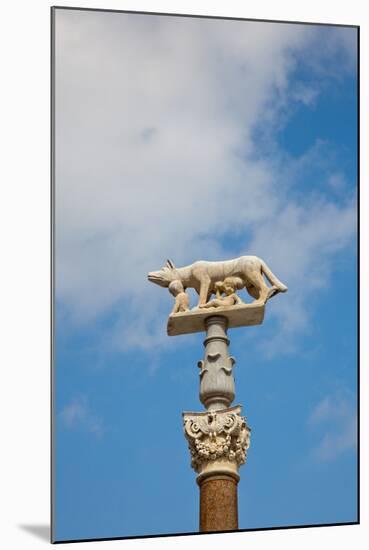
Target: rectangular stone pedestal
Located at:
point(194, 320)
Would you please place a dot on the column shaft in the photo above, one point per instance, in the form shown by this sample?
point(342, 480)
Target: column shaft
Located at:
point(218, 504)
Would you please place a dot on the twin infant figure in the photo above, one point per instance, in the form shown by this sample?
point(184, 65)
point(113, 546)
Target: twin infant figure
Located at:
point(226, 287)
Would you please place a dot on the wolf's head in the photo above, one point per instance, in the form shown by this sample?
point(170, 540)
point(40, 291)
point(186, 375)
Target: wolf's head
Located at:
point(164, 276)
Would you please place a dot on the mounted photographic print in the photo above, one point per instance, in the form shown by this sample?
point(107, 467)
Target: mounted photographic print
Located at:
point(205, 308)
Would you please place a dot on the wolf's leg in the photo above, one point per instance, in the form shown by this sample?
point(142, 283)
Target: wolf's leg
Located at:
point(254, 292)
point(204, 290)
point(259, 289)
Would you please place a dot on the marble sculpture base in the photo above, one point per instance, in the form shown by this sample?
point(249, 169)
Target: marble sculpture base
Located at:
point(194, 320)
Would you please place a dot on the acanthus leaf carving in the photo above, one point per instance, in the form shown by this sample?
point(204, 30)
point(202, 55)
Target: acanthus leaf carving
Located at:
point(217, 434)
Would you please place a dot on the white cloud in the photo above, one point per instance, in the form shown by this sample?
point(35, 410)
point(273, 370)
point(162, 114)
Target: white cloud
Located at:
point(334, 444)
point(306, 94)
point(77, 415)
point(336, 414)
point(300, 243)
point(337, 182)
point(156, 158)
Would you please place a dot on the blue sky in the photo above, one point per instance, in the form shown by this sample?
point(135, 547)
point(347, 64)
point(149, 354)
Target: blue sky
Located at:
point(202, 139)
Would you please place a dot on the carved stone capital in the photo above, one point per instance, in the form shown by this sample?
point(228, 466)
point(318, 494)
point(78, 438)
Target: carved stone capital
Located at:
point(218, 441)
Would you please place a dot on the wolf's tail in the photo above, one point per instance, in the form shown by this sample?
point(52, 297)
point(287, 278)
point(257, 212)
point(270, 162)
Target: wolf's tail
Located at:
point(272, 278)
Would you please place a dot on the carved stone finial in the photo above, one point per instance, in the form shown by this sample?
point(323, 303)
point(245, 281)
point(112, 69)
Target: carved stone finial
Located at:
point(217, 389)
point(218, 441)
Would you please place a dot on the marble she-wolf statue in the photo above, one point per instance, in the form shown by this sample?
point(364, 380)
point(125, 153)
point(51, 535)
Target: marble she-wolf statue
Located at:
point(244, 272)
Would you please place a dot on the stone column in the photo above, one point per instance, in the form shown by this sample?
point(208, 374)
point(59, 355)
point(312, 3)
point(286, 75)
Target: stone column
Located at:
point(219, 437)
point(218, 442)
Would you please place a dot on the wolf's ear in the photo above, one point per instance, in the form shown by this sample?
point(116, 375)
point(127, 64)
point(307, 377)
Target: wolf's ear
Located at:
point(170, 264)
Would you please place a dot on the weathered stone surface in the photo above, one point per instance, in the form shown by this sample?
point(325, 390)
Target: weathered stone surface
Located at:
point(218, 504)
point(181, 298)
point(218, 438)
point(194, 320)
point(218, 441)
point(208, 277)
point(217, 388)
